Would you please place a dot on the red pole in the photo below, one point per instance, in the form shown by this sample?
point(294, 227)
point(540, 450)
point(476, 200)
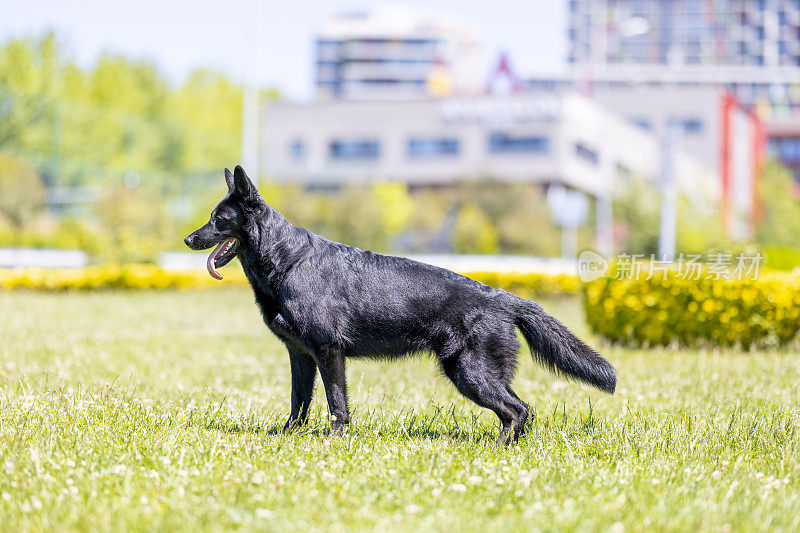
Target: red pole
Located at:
point(728, 103)
point(759, 150)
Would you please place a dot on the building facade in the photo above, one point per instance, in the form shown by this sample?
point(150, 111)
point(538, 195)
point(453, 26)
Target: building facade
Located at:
point(395, 53)
point(691, 32)
point(750, 47)
point(564, 139)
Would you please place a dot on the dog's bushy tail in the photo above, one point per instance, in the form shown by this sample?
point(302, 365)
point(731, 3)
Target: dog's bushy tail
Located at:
point(559, 350)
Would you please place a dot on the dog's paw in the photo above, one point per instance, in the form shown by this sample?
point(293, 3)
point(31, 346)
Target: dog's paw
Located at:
point(507, 437)
point(292, 424)
point(338, 430)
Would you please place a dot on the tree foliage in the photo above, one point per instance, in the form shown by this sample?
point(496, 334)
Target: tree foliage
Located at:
point(86, 125)
point(21, 191)
point(779, 223)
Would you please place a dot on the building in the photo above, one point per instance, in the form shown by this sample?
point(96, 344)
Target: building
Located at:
point(690, 32)
point(678, 50)
point(750, 47)
point(392, 106)
point(395, 53)
point(566, 139)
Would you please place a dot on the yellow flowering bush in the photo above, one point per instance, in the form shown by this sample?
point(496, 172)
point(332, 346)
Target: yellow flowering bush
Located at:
point(530, 285)
point(153, 277)
point(719, 311)
point(132, 276)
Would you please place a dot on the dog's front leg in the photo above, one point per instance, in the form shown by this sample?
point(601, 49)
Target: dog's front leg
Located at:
point(304, 372)
point(331, 369)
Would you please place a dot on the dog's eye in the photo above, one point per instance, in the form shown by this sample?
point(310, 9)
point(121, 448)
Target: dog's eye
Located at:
point(220, 223)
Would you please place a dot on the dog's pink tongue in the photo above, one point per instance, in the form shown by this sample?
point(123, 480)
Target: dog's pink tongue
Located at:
point(212, 268)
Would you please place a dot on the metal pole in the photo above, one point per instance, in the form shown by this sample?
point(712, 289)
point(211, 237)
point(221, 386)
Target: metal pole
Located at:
point(250, 131)
point(250, 96)
point(605, 224)
point(569, 242)
point(669, 193)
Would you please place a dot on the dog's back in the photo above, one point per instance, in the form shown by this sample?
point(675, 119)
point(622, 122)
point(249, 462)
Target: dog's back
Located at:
point(376, 305)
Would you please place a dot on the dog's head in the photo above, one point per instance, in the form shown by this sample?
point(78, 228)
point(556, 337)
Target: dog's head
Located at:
point(225, 229)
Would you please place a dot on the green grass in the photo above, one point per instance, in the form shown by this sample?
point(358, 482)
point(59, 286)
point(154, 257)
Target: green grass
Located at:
point(152, 411)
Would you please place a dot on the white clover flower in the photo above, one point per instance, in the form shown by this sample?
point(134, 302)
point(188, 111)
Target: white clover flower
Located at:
point(263, 513)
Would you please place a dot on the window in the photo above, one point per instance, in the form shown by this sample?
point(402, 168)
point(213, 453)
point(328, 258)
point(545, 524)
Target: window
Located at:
point(692, 125)
point(587, 154)
point(505, 143)
point(297, 150)
point(362, 149)
point(327, 50)
point(642, 123)
point(433, 147)
point(787, 148)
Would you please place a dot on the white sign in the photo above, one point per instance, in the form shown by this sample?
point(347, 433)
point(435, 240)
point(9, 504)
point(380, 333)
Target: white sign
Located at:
point(505, 111)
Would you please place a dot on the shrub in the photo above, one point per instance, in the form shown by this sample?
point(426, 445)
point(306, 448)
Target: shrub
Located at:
point(659, 312)
point(21, 191)
point(109, 277)
point(474, 232)
point(153, 277)
point(531, 285)
point(777, 258)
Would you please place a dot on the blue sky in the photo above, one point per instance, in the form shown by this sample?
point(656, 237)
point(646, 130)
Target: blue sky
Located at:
point(180, 35)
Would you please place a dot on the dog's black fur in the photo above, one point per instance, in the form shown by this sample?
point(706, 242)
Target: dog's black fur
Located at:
point(328, 301)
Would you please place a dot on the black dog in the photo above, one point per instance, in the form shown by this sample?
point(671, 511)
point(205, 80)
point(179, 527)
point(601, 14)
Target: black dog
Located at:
point(327, 301)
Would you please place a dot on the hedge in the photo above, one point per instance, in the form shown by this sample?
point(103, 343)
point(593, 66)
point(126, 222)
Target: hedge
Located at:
point(724, 312)
point(642, 312)
point(153, 277)
point(111, 277)
point(530, 285)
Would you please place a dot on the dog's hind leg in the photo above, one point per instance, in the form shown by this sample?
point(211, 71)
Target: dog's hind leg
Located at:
point(480, 381)
point(304, 372)
point(330, 362)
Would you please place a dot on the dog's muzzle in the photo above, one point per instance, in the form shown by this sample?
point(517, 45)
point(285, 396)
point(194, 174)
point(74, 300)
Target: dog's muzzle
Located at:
point(221, 256)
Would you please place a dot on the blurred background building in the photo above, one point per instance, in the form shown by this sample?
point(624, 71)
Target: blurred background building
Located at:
point(721, 33)
point(564, 138)
point(748, 47)
point(392, 52)
point(393, 105)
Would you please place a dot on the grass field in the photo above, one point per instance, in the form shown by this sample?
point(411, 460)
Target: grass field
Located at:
point(160, 411)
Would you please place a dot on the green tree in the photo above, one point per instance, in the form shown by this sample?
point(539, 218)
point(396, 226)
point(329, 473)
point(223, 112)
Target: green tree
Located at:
point(207, 109)
point(29, 79)
point(119, 115)
point(780, 209)
point(636, 211)
point(135, 225)
point(395, 204)
point(474, 232)
point(21, 192)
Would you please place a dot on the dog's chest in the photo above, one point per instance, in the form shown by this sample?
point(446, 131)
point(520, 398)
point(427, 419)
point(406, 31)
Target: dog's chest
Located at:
point(283, 330)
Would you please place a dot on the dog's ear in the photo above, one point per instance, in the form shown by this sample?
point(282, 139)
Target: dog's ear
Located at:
point(229, 180)
point(243, 185)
